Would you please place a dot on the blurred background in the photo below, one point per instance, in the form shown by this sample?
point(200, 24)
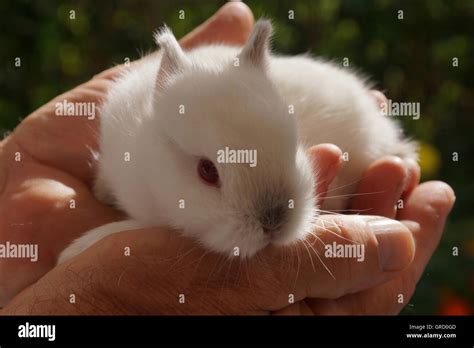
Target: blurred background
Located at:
point(425, 57)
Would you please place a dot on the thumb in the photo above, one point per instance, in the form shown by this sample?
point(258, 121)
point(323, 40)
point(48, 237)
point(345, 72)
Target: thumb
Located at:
point(346, 254)
point(358, 252)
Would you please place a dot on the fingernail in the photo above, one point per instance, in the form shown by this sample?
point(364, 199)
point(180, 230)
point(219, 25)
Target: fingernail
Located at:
point(448, 191)
point(392, 242)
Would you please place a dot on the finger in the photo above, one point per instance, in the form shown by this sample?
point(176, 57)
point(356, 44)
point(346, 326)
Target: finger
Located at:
point(381, 187)
point(61, 142)
point(413, 169)
point(429, 206)
point(231, 25)
point(413, 173)
point(383, 299)
point(326, 160)
point(346, 254)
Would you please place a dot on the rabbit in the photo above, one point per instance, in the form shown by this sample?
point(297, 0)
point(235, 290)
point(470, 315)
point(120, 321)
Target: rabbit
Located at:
point(168, 119)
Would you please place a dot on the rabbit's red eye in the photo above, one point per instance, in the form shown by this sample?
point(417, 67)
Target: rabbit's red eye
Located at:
point(208, 172)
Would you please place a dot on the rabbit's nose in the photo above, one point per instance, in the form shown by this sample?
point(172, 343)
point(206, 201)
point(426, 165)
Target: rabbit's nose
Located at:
point(273, 218)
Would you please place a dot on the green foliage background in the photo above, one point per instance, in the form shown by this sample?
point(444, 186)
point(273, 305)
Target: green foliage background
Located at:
point(411, 59)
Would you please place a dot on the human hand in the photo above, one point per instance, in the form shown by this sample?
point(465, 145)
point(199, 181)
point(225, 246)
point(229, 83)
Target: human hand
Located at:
point(390, 188)
point(422, 208)
point(50, 174)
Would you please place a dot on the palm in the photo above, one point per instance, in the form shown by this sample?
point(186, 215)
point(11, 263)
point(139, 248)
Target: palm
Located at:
point(47, 199)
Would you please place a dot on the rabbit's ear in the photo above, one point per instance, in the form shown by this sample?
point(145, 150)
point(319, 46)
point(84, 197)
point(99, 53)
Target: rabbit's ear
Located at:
point(256, 50)
point(173, 59)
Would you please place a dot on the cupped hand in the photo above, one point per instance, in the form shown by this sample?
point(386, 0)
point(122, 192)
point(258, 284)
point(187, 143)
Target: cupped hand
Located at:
point(390, 189)
point(164, 273)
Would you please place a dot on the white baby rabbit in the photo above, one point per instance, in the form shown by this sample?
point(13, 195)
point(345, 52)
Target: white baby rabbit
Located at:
point(168, 119)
